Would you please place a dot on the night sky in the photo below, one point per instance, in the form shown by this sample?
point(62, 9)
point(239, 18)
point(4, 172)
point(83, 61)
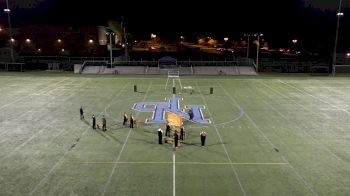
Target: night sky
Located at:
point(312, 21)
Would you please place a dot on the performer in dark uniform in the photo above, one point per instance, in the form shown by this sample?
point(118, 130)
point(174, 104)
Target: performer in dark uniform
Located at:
point(182, 134)
point(167, 130)
point(104, 123)
point(81, 113)
point(203, 135)
point(176, 139)
point(125, 119)
point(131, 121)
point(190, 113)
point(160, 136)
point(93, 122)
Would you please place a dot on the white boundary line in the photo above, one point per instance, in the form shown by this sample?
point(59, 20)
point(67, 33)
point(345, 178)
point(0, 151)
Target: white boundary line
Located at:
point(223, 145)
point(115, 164)
point(183, 163)
point(121, 151)
point(60, 160)
point(267, 139)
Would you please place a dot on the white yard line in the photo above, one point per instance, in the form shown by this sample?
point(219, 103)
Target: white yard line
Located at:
point(174, 174)
point(60, 161)
point(223, 145)
point(174, 160)
point(300, 177)
point(274, 146)
point(121, 151)
point(115, 164)
point(183, 163)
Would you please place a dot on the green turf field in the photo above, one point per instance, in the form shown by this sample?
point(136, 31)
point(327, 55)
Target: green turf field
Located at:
point(269, 135)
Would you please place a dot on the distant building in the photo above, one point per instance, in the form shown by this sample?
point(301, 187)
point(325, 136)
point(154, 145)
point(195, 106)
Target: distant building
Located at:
point(24, 4)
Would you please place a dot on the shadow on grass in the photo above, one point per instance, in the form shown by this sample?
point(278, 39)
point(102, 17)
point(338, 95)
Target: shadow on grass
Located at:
point(99, 131)
point(113, 137)
point(199, 144)
point(147, 141)
point(86, 122)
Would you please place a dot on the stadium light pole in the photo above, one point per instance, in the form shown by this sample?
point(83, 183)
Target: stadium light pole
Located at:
point(248, 36)
point(248, 47)
point(339, 14)
point(7, 11)
point(257, 50)
point(110, 33)
point(125, 39)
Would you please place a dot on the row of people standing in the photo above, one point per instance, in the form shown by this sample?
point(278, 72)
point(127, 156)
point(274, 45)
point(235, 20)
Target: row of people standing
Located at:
point(104, 121)
point(182, 132)
point(203, 136)
point(131, 120)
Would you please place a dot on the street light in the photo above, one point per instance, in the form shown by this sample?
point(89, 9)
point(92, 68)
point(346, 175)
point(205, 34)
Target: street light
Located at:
point(339, 14)
point(8, 11)
point(257, 50)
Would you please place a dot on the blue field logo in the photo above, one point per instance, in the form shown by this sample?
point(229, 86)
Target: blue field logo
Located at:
point(172, 105)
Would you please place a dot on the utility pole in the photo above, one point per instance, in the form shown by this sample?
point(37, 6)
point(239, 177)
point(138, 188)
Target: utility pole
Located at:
point(125, 40)
point(339, 14)
point(248, 46)
point(257, 51)
point(7, 10)
point(110, 33)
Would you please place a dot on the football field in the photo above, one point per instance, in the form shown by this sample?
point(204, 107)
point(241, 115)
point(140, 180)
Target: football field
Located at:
point(268, 135)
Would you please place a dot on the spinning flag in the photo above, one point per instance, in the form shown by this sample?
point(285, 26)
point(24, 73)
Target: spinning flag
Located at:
point(174, 119)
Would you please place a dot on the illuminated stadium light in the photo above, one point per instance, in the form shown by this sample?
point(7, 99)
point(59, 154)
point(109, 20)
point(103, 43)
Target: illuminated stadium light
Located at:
point(6, 10)
point(340, 14)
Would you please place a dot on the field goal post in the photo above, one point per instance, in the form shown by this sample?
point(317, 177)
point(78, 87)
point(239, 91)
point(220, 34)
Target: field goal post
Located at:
point(175, 76)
